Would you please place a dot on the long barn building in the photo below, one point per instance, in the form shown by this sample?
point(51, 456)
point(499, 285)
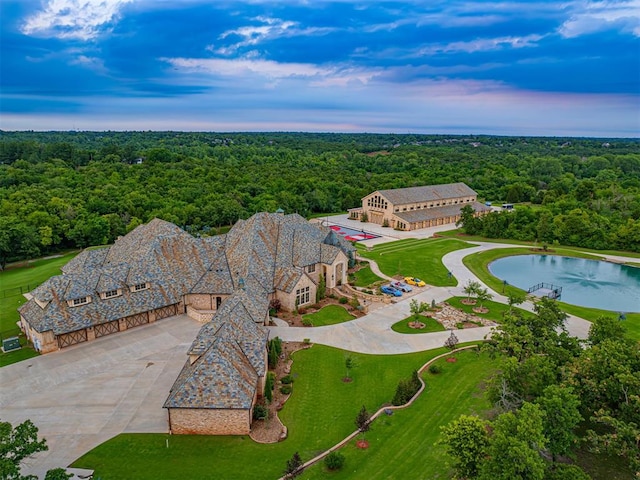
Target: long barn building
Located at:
point(418, 207)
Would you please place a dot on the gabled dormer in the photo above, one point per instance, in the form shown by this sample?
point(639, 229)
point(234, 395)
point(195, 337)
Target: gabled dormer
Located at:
point(79, 301)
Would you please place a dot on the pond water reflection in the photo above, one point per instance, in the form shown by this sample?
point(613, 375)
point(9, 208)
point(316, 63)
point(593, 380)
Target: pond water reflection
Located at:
point(589, 283)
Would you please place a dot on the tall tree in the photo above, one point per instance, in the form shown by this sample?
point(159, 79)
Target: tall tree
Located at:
point(16, 445)
point(466, 441)
point(561, 416)
point(515, 446)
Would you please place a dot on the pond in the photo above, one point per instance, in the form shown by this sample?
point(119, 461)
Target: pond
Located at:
point(588, 283)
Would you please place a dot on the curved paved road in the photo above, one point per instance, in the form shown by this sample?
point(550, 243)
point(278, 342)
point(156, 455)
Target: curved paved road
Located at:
point(372, 333)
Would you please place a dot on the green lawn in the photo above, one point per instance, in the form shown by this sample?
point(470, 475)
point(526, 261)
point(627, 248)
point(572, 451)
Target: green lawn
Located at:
point(430, 325)
point(459, 234)
point(403, 445)
point(365, 277)
point(416, 258)
point(329, 315)
point(496, 310)
point(27, 277)
point(320, 413)
point(478, 264)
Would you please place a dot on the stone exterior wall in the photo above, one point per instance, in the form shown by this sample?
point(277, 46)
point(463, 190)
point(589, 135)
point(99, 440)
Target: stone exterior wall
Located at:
point(378, 212)
point(337, 272)
point(203, 301)
point(288, 300)
point(44, 342)
point(202, 316)
point(202, 421)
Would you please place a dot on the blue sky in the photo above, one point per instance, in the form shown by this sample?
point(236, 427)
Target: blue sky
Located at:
point(454, 66)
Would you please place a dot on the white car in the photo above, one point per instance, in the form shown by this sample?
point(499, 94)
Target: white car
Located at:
point(403, 287)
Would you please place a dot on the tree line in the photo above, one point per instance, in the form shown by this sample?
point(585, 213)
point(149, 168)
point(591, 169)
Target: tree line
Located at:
point(63, 190)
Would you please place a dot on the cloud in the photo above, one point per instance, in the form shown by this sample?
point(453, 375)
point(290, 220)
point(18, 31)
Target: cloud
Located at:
point(270, 29)
point(73, 19)
point(599, 16)
point(483, 44)
point(239, 67)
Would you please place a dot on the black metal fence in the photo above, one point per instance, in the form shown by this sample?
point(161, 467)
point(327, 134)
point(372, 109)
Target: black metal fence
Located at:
point(12, 292)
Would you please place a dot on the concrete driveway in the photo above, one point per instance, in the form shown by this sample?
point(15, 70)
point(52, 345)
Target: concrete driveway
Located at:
point(86, 394)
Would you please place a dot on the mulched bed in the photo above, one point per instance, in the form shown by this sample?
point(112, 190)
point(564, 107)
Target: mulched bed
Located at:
point(272, 430)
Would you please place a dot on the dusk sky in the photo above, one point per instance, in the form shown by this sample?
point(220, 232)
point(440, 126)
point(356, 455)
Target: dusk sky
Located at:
point(558, 68)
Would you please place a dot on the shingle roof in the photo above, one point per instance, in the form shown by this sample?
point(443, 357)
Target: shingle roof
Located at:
point(258, 255)
point(438, 212)
point(401, 196)
point(171, 262)
point(222, 378)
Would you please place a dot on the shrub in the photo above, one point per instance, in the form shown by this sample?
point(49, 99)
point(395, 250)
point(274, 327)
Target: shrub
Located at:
point(302, 310)
point(268, 386)
point(260, 412)
point(287, 380)
point(354, 302)
point(307, 322)
point(306, 341)
point(459, 325)
point(435, 369)
point(286, 389)
point(332, 295)
point(343, 300)
point(334, 461)
point(275, 304)
point(406, 389)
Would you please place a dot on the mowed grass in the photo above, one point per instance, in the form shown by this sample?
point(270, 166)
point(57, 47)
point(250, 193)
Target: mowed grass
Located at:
point(329, 315)
point(478, 263)
point(403, 445)
point(430, 325)
point(458, 233)
point(30, 275)
point(416, 258)
point(496, 310)
point(320, 412)
point(365, 277)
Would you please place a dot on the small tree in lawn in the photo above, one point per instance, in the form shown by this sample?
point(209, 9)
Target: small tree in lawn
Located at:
point(471, 289)
point(293, 466)
point(363, 420)
point(348, 363)
point(451, 343)
point(417, 308)
point(482, 295)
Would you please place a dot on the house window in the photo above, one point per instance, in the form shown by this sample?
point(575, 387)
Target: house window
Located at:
point(302, 296)
point(311, 268)
point(111, 293)
point(80, 301)
point(140, 286)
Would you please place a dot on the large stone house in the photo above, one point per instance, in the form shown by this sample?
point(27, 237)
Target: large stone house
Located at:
point(227, 282)
point(417, 207)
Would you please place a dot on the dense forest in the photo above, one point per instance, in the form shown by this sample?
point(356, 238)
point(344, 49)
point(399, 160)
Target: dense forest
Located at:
point(74, 189)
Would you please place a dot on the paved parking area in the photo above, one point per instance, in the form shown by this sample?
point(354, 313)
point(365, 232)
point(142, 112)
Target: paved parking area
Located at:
point(83, 395)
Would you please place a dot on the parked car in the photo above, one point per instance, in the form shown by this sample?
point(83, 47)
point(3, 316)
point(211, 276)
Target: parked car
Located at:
point(403, 287)
point(388, 289)
point(415, 281)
